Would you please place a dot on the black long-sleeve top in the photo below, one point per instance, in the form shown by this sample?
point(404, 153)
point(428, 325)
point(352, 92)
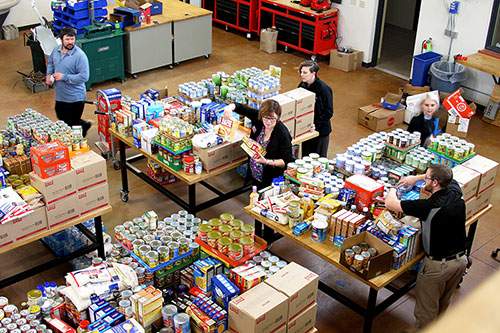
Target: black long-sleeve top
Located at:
point(424, 126)
point(279, 147)
point(323, 106)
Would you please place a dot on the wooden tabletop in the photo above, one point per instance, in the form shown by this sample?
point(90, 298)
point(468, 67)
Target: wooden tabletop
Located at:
point(173, 11)
point(305, 137)
point(482, 62)
point(331, 253)
point(303, 9)
point(81, 219)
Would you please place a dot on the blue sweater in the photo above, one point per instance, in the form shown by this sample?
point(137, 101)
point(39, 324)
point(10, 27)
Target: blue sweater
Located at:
point(75, 68)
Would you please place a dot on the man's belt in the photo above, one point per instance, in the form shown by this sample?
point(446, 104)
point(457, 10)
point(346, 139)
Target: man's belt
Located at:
point(454, 256)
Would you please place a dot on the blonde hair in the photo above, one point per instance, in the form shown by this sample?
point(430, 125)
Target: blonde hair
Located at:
point(432, 98)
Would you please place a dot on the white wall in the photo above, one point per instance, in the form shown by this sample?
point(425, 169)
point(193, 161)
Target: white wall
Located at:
point(22, 14)
point(401, 13)
point(472, 25)
point(356, 25)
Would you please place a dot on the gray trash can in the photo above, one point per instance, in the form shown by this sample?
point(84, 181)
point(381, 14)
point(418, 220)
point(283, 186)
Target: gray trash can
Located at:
point(447, 76)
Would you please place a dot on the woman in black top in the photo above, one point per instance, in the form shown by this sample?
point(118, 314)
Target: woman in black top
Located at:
point(425, 121)
point(272, 135)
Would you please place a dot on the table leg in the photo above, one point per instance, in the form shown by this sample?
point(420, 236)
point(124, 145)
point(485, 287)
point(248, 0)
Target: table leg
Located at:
point(99, 239)
point(123, 163)
point(192, 198)
point(258, 228)
point(470, 237)
point(370, 311)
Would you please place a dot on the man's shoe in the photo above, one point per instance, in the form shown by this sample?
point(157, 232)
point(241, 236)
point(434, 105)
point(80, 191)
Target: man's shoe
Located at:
point(85, 127)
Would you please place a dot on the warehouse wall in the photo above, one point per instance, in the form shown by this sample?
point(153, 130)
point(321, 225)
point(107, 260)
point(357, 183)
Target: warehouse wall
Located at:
point(401, 13)
point(356, 25)
point(472, 25)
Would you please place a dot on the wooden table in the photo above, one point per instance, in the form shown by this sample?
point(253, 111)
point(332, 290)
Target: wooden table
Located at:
point(491, 65)
point(190, 179)
point(97, 244)
point(331, 254)
point(155, 45)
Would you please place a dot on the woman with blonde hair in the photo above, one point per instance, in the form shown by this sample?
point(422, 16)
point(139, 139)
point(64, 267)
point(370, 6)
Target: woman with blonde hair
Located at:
point(425, 121)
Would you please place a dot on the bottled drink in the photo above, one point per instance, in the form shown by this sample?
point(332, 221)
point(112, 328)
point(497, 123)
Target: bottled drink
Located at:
point(254, 196)
point(82, 328)
point(307, 205)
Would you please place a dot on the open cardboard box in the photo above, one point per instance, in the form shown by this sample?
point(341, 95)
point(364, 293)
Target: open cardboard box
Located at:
point(392, 101)
point(378, 265)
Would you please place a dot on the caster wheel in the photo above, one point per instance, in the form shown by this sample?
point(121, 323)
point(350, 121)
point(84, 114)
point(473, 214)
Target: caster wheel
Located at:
point(134, 76)
point(176, 64)
point(170, 66)
point(123, 196)
point(249, 35)
point(117, 165)
point(286, 49)
point(314, 57)
point(227, 28)
point(494, 254)
point(207, 56)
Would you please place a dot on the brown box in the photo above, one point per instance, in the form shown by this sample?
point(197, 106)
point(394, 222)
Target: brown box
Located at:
point(378, 265)
point(215, 157)
point(412, 90)
point(483, 199)
point(454, 127)
point(260, 309)
point(303, 124)
point(346, 62)
point(62, 210)
point(56, 187)
point(287, 106)
point(304, 320)
point(31, 224)
point(7, 234)
point(470, 207)
point(376, 118)
point(299, 284)
point(290, 125)
point(237, 153)
point(486, 167)
point(90, 169)
point(93, 198)
point(304, 100)
point(468, 180)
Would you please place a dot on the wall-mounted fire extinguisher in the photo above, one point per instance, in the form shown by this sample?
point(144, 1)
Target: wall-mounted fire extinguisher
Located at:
point(427, 45)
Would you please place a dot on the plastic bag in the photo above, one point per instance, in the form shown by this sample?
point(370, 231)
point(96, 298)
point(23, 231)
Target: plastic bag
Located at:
point(448, 71)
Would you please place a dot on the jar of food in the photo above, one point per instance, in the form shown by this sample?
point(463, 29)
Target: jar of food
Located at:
point(189, 164)
point(223, 245)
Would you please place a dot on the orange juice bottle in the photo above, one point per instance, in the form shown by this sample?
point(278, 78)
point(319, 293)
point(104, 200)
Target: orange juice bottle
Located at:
point(307, 205)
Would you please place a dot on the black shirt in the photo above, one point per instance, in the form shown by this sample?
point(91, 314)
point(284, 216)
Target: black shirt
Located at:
point(279, 146)
point(323, 105)
point(443, 221)
point(424, 126)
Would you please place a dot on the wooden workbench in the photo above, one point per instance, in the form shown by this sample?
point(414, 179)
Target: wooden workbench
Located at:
point(331, 254)
point(155, 45)
point(491, 65)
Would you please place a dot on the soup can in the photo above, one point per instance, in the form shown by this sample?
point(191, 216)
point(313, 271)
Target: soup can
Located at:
point(318, 230)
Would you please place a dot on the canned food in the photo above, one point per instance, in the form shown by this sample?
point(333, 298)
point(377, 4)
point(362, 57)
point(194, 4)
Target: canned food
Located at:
point(34, 297)
point(358, 262)
point(136, 245)
point(248, 230)
point(183, 245)
point(163, 254)
point(223, 245)
point(173, 248)
point(152, 259)
point(356, 249)
point(168, 312)
point(225, 230)
point(155, 244)
point(214, 223)
point(212, 238)
point(372, 251)
point(195, 249)
point(203, 230)
point(236, 235)
point(236, 224)
point(226, 218)
point(366, 258)
point(349, 256)
point(318, 230)
point(10, 309)
point(235, 251)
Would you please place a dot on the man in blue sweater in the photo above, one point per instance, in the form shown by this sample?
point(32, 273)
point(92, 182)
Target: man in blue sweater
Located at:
point(68, 70)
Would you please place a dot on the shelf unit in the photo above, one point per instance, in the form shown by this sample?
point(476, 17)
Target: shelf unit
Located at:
point(300, 27)
point(238, 14)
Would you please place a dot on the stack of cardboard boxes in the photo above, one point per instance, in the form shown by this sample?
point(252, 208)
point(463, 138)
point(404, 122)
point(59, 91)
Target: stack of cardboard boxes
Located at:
point(285, 302)
point(146, 307)
point(297, 110)
point(476, 178)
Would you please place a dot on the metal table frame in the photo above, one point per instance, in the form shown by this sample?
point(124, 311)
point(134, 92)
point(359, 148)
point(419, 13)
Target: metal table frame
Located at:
point(97, 244)
point(371, 310)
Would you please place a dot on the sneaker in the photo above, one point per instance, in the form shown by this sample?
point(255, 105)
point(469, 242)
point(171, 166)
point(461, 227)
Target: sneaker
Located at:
point(85, 127)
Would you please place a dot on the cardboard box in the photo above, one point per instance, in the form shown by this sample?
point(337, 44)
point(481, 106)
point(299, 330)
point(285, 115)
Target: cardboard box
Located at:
point(62, 210)
point(457, 126)
point(290, 125)
point(346, 62)
point(376, 118)
point(287, 106)
point(299, 284)
point(304, 320)
point(483, 198)
point(470, 207)
point(303, 124)
point(31, 224)
point(457, 106)
point(90, 170)
point(261, 309)
point(7, 234)
point(214, 158)
point(486, 167)
point(304, 100)
point(391, 101)
point(55, 188)
point(93, 198)
point(378, 265)
point(468, 180)
point(413, 90)
point(366, 189)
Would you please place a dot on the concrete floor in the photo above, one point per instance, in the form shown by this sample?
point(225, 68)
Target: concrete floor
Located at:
point(232, 51)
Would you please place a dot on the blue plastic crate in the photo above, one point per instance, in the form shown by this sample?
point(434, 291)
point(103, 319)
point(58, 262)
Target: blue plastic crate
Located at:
point(84, 5)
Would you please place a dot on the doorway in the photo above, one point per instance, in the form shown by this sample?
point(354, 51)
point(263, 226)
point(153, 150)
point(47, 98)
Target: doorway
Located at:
point(397, 25)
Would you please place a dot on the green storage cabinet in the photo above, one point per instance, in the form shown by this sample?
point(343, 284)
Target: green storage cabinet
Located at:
point(105, 56)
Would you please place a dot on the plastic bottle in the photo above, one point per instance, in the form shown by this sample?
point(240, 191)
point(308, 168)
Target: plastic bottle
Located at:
point(254, 197)
point(82, 328)
point(366, 213)
point(353, 208)
point(307, 205)
point(276, 187)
